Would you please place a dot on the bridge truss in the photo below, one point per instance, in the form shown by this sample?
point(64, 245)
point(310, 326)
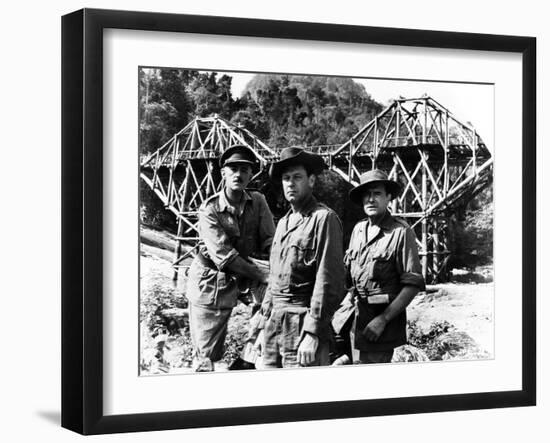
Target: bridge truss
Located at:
point(439, 160)
point(184, 171)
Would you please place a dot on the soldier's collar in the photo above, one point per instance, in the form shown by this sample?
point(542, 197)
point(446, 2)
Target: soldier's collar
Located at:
point(224, 204)
point(385, 222)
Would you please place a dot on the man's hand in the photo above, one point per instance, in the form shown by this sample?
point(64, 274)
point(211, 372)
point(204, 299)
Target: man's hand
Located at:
point(374, 329)
point(242, 267)
point(307, 349)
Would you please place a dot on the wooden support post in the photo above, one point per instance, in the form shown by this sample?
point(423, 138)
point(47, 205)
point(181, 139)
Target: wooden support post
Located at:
point(397, 125)
point(173, 165)
point(445, 248)
point(436, 247)
point(376, 136)
point(155, 169)
point(177, 250)
point(394, 176)
point(425, 123)
point(474, 149)
point(425, 248)
point(446, 158)
point(350, 169)
point(170, 185)
point(424, 224)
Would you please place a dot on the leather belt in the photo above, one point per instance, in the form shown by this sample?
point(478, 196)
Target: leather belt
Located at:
point(377, 296)
point(378, 299)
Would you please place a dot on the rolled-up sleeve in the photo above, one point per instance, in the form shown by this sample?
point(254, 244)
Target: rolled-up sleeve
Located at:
point(216, 241)
point(409, 262)
point(328, 290)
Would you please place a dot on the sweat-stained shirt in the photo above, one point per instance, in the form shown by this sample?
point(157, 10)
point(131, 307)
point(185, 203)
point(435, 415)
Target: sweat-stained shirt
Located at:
point(376, 271)
point(306, 267)
point(225, 233)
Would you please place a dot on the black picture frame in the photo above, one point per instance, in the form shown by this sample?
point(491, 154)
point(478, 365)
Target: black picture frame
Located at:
point(82, 220)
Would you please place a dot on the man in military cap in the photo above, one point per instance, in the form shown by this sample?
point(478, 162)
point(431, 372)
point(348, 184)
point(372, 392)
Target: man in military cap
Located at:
point(234, 224)
point(306, 280)
point(383, 271)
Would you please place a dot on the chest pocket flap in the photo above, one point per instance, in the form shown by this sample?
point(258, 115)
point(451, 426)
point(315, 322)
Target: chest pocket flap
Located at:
point(301, 257)
point(303, 251)
point(383, 266)
point(229, 224)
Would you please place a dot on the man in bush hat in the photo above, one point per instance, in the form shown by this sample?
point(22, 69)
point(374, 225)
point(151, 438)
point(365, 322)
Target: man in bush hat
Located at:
point(306, 280)
point(383, 270)
point(234, 224)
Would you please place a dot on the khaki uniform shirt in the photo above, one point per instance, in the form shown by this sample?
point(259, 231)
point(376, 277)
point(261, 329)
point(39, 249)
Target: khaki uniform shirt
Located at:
point(306, 267)
point(226, 232)
point(377, 270)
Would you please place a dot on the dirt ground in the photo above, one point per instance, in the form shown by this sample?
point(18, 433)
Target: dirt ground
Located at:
point(467, 306)
point(449, 321)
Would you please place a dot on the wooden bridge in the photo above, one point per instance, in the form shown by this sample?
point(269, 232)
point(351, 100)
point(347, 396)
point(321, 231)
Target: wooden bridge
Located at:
point(439, 160)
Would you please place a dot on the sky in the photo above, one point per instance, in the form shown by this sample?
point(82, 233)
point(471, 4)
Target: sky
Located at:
point(472, 103)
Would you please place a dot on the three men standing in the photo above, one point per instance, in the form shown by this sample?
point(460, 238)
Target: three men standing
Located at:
point(308, 271)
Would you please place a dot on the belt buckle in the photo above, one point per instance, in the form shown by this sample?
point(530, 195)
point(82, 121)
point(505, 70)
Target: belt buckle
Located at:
point(378, 299)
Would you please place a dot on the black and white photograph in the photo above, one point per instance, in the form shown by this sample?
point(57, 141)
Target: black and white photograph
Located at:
point(294, 220)
point(256, 222)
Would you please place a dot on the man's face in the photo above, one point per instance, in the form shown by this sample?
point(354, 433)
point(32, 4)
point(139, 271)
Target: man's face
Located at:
point(237, 176)
point(297, 185)
point(375, 200)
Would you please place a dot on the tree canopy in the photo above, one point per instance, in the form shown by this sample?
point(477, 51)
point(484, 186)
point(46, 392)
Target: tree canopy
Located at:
point(282, 110)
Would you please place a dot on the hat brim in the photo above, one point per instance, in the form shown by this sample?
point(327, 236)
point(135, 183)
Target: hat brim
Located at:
point(312, 162)
point(232, 149)
point(240, 161)
point(356, 194)
point(255, 166)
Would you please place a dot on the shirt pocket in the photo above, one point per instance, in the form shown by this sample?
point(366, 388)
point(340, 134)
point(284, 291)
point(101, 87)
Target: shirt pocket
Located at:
point(382, 267)
point(229, 224)
point(201, 284)
point(301, 256)
point(209, 287)
point(227, 292)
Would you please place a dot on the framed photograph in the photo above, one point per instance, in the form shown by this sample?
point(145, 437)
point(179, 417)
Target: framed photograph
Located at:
point(270, 221)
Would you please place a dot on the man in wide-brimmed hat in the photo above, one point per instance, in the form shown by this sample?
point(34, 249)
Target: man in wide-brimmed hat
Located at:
point(306, 280)
point(234, 224)
point(383, 271)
